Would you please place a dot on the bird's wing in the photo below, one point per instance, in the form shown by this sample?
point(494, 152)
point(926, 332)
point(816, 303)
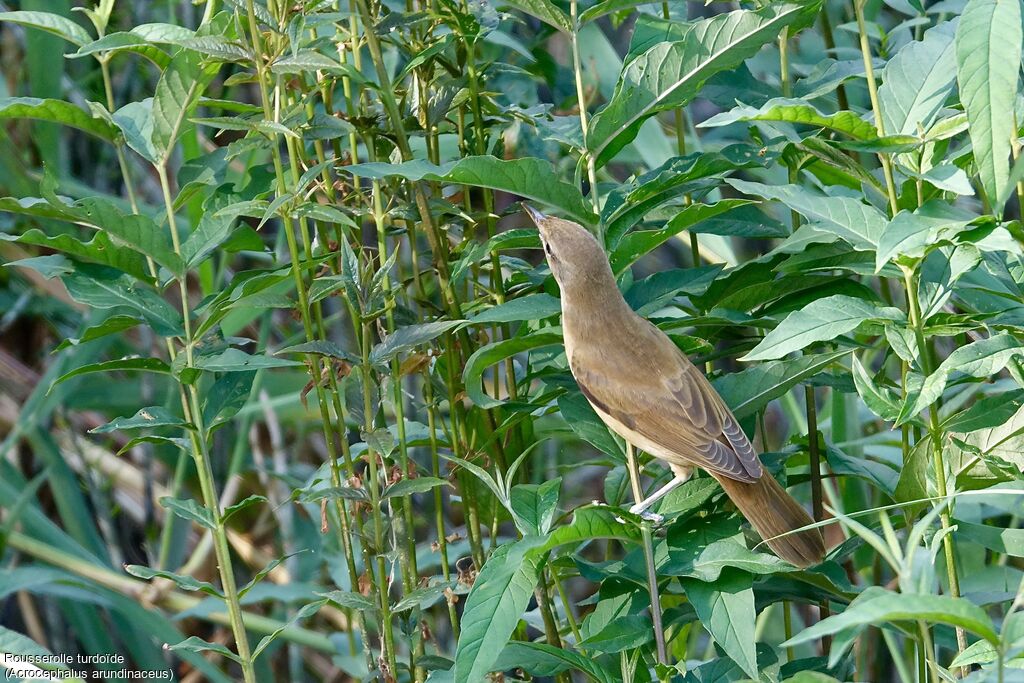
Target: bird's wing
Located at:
point(669, 402)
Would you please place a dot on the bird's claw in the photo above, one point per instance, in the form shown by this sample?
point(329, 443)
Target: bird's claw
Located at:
point(648, 516)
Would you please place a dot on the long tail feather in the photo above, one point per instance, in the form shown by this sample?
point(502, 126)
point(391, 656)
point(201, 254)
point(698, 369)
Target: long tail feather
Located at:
point(773, 512)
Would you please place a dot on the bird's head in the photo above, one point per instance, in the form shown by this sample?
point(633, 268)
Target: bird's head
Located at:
point(574, 255)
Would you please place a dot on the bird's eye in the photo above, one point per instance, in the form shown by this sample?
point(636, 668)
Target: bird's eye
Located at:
point(547, 249)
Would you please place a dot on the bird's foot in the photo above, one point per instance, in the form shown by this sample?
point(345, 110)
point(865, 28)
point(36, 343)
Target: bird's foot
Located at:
point(646, 515)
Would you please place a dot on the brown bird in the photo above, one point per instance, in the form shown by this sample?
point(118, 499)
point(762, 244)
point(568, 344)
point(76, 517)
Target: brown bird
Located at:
point(649, 393)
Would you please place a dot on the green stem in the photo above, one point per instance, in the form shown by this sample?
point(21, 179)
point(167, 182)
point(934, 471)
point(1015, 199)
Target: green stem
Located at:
point(935, 433)
point(648, 543)
point(201, 455)
point(581, 99)
point(869, 71)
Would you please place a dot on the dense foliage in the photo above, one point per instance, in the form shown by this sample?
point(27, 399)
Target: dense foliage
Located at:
point(282, 389)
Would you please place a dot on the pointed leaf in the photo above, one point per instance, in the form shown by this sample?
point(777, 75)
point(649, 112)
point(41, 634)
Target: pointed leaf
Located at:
point(820, 320)
point(530, 178)
point(56, 111)
point(670, 74)
point(988, 54)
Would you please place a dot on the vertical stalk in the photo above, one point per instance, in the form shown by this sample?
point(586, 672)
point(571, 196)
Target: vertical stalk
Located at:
point(581, 98)
point(935, 433)
point(869, 71)
point(201, 455)
point(1015, 150)
point(648, 543)
point(680, 125)
point(830, 46)
point(318, 370)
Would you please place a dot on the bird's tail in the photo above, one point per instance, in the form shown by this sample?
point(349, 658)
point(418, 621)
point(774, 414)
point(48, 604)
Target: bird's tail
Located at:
point(773, 512)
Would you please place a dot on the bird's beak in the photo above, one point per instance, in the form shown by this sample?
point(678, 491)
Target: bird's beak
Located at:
point(536, 216)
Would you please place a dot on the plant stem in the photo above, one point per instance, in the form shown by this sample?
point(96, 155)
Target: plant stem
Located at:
point(581, 100)
point(648, 543)
point(869, 71)
point(201, 455)
point(830, 46)
point(935, 433)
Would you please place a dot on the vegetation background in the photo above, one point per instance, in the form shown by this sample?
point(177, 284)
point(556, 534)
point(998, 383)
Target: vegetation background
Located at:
point(282, 395)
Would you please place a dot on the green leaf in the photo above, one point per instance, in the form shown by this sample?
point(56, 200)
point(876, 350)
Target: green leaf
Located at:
point(988, 55)
point(380, 441)
point(726, 609)
point(878, 399)
point(688, 496)
point(486, 356)
point(409, 337)
point(591, 523)
point(990, 411)
point(499, 596)
point(534, 506)
point(190, 510)
point(586, 424)
point(912, 483)
point(226, 397)
point(797, 111)
point(186, 583)
point(630, 202)
point(135, 231)
point(236, 360)
point(197, 644)
point(821, 320)
point(637, 243)
point(978, 652)
point(705, 555)
point(350, 600)
point(917, 80)
point(604, 7)
point(670, 74)
point(49, 267)
point(212, 231)
point(100, 249)
point(177, 442)
point(56, 111)
point(306, 60)
point(979, 359)
point(145, 418)
point(653, 292)
point(626, 632)
point(882, 606)
point(858, 223)
point(911, 234)
point(322, 348)
point(112, 325)
point(332, 493)
point(124, 364)
point(545, 10)
point(529, 307)
point(750, 390)
point(530, 178)
point(125, 41)
point(135, 120)
point(424, 598)
point(407, 487)
point(51, 23)
point(997, 539)
point(103, 287)
point(541, 659)
point(243, 504)
point(176, 92)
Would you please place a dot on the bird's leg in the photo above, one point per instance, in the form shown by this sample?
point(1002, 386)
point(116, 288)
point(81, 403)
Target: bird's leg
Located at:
point(681, 475)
